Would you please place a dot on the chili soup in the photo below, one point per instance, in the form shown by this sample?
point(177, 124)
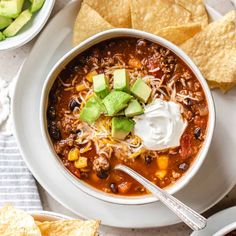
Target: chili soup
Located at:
point(129, 101)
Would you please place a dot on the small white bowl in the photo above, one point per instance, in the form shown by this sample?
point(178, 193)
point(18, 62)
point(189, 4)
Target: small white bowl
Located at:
point(31, 29)
point(114, 33)
point(227, 229)
point(48, 216)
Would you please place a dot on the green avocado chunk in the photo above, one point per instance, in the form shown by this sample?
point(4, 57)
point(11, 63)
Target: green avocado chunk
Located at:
point(134, 108)
point(121, 80)
point(36, 5)
point(17, 24)
point(11, 8)
point(4, 22)
point(121, 127)
point(141, 90)
point(92, 110)
point(116, 101)
point(100, 85)
point(2, 36)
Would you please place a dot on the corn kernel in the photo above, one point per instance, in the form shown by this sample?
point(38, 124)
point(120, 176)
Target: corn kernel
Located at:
point(162, 162)
point(160, 174)
point(90, 75)
point(135, 63)
point(80, 87)
point(73, 154)
point(82, 162)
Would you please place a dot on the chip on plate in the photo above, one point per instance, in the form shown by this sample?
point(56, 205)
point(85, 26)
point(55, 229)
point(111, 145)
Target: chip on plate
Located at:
point(69, 228)
point(214, 52)
point(88, 23)
point(179, 34)
point(116, 12)
point(197, 9)
point(14, 222)
point(153, 15)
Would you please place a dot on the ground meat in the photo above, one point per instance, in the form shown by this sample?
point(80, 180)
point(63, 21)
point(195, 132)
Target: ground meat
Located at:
point(68, 142)
point(101, 164)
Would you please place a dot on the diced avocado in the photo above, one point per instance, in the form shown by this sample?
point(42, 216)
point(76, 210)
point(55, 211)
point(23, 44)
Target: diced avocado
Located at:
point(121, 80)
point(100, 85)
point(141, 90)
point(121, 127)
point(36, 5)
point(11, 8)
point(2, 36)
point(134, 108)
point(92, 110)
point(4, 22)
point(17, 24)
point(116, 101)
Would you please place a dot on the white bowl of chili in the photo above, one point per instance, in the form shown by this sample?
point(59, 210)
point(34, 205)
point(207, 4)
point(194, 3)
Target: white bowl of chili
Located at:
point(56, 143)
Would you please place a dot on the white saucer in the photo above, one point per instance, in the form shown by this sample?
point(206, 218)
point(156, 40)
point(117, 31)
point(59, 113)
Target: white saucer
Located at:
point(217, 222)
point(215, 178)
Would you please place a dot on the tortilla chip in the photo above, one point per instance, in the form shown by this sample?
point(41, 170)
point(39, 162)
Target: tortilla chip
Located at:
point(116, 12)
point(153, 15)
point(179, 34)
point(87, 24)
point(197, 9)
point(69, 228)
point(214, 52)
point(14, 222)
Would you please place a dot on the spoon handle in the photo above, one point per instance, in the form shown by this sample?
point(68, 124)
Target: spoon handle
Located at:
point(194, 220)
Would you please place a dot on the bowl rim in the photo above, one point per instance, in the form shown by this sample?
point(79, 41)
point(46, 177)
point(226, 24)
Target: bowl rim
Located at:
point(32, 32)
point(226, 229)
point(49, 214)
point(115, 33)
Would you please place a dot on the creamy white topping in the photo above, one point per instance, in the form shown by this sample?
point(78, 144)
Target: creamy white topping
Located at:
point(161, 126)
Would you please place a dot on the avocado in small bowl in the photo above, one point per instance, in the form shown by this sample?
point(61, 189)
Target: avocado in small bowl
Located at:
point(21, 20)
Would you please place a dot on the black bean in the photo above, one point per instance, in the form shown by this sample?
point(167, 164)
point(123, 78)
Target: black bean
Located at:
point(189, 102)
point(114, 188)
point(102, 174)
point(197, 133)
point(78, 131)
point(73, 104)
point(52, 97)
point(183, 166)
point(54, 131)
point(51, 113)
point(148, 160)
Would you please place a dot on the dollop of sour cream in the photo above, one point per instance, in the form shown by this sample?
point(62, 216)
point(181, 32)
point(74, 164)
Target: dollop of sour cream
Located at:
point(161, 126)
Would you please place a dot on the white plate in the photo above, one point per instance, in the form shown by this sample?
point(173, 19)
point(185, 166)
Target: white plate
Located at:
point(31, 29)
point(217, 222)
point(215, 178)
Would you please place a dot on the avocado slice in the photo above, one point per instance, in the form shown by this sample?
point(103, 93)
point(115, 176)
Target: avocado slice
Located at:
point(134, 108)
point(121, 80)
point(92, 110)
point(4, 22)
point(116, 101)
point(36, 5)
point(2, 36)
point(11, 8)
point(141, 90)
point(121, 127)
point(100, 85)
point(18, 23)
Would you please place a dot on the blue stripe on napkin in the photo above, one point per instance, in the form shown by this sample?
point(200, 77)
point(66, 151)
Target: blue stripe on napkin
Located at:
point(17, 185)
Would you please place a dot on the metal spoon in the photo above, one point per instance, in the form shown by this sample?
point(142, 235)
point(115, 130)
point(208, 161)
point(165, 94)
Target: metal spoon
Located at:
point(194, 220)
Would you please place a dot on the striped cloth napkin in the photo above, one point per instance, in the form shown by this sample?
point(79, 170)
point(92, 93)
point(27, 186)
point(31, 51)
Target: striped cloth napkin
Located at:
point(17, 185)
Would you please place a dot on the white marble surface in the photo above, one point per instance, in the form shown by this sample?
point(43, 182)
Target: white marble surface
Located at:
point(10, 63)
